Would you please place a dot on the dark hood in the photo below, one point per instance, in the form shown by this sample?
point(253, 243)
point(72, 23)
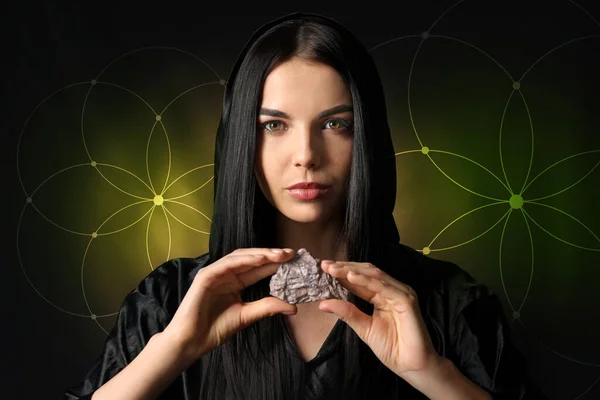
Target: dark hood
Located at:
point(383, 174)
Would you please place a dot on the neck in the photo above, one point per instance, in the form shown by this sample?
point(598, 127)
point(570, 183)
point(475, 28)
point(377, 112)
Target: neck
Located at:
point(321, 239)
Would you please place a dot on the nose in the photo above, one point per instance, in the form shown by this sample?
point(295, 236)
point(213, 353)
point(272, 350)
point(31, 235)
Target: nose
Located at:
point(307, 147)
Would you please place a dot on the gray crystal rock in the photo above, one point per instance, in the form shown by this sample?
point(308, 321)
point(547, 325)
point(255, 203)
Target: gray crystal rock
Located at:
point(301, 280)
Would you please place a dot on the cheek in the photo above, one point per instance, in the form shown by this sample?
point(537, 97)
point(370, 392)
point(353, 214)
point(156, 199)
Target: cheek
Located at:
point(344, 158)
point(269, 173)
point(267, 164)
point(264, 175)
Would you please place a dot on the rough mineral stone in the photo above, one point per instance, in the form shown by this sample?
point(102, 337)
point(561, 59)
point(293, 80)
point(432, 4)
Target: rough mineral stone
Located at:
point(301, 280)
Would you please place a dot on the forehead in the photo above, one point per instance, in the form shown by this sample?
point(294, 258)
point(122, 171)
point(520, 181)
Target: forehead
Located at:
point(299, 84)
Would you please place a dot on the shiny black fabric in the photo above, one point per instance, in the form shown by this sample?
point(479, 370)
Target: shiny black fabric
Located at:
point(464, 318)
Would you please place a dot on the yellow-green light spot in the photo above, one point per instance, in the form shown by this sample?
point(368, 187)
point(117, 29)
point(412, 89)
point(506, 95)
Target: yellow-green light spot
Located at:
point(426, 250)
point(425, 150)
point(516, 201)
point(158, 200)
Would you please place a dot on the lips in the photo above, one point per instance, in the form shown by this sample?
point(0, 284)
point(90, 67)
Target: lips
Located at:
point(308, 185)
point(308, 194)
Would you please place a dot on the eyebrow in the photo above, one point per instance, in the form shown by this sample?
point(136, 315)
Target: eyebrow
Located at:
point(322, 114)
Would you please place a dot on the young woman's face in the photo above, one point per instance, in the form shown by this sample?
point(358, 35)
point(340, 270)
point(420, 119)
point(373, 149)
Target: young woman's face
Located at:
point(305, 134)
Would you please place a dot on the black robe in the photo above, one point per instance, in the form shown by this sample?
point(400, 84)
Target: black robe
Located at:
point(464, 318)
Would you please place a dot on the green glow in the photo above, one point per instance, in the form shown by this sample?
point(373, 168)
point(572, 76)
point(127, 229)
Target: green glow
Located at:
point(516, 201)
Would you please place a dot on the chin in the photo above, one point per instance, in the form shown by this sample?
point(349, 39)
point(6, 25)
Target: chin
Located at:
point(306, 216)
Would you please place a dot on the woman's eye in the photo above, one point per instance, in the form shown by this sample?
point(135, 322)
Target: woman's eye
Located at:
point(338, 124)
point(271, 125)
point(335, 124)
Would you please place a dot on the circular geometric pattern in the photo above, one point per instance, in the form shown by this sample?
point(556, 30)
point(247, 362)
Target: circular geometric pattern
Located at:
point(154, 199)
point(515, 200)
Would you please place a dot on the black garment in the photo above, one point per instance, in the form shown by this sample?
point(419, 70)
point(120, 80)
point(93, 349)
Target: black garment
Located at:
point(465, 321)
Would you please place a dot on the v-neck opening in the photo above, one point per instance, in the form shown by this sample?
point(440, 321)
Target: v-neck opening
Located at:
point(324, 351)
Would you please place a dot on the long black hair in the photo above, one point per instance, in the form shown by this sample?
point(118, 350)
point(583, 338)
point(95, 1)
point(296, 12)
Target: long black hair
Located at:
point(253, 364)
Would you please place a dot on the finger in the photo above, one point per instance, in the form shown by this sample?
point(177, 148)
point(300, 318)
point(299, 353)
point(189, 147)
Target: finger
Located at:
point(265, 307)
point(370, 270)
point(260, 250)
point(215, 274)
point(243, 261)
point(350, 314)
point(363, 292)
point(378, 286)
point(252, 276)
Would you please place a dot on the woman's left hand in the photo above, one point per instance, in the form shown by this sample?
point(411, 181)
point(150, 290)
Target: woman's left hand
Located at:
point(396, 332)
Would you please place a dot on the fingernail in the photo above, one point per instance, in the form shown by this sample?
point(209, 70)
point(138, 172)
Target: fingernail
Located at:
point(288, 250)
point(327, 261)
point(289, 312)
point(276, 250)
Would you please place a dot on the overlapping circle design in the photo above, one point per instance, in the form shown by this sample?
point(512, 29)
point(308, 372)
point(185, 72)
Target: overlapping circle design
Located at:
point(156, 197)
point(516, 202)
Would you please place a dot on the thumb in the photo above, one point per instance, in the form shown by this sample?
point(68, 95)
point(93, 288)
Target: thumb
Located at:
point(350, 314)
point(266, 307)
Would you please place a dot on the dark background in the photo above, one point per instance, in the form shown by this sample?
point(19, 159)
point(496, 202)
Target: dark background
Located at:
point(457, 91)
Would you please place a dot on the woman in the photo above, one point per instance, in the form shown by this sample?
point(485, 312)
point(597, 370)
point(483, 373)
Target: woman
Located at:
point(304, 103)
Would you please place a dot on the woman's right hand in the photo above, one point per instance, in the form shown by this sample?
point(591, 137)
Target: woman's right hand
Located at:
point(212, 310)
